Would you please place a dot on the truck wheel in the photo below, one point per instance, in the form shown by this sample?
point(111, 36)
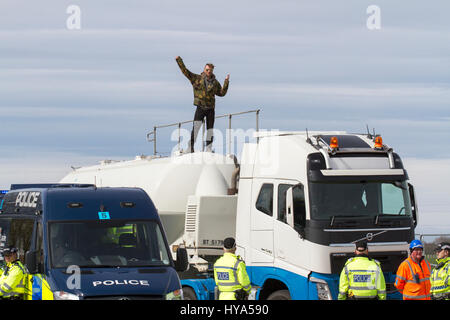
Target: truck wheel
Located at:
point(280, 295)
point(189, 294)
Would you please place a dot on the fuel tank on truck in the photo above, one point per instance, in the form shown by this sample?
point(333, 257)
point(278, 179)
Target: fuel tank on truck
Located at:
point(169, 181)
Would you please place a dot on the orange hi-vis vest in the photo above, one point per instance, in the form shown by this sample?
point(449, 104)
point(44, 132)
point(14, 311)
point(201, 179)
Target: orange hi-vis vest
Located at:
point(413, 280)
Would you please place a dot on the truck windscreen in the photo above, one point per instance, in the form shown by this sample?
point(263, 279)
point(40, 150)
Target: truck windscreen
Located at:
point(97, 244)
point(359, 199)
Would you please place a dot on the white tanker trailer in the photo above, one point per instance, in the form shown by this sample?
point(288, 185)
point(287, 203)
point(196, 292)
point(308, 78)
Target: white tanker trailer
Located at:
point(174, 184)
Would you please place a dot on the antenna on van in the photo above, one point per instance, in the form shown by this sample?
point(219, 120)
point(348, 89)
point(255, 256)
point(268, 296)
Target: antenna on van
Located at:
point(368, 132)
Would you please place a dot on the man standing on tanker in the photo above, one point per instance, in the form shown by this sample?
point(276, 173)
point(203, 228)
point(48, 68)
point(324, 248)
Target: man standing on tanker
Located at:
point(205, 87)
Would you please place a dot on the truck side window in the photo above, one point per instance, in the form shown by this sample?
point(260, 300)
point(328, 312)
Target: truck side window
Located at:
point(282, 188)
point(264, 203)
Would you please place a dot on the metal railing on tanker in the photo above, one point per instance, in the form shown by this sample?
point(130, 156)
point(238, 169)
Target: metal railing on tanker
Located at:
point(151, 136)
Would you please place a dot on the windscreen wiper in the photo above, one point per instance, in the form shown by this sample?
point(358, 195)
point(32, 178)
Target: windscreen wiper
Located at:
point(334, 217)
point(381, 215)
point(106, 266)
point(399, 184)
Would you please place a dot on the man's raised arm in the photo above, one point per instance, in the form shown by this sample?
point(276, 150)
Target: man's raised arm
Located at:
point(183, 68)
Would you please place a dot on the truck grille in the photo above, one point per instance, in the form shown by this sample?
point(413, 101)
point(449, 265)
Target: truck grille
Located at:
point(389, 260)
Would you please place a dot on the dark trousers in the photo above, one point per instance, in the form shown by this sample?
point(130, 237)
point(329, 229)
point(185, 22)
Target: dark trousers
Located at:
point(200, 114)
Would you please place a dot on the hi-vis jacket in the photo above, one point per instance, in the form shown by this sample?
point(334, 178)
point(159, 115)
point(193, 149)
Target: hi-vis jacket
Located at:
point(13, 280)
point(230, 275)
point(204, 92)
point(440, 280)
point(362, 278)
point(413, 279)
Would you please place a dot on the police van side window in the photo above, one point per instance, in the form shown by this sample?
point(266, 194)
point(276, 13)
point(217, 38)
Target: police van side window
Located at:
point(20, 236)
point(264, 203)
point(40, 247)
point(4, 230)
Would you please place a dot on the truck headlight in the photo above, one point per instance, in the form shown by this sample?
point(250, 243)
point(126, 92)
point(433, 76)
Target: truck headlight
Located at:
point(323, 290)
point(62, 295)
point(175, 295)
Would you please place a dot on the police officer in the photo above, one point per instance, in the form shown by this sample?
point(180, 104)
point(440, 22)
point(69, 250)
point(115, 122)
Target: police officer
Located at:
point(362, 278)
point(12, 280)
point(440, 278)
point(230, 274)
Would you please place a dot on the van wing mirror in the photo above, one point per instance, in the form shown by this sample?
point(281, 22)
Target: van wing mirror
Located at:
point(414, 209)
point(31, 262)
point(182, 262)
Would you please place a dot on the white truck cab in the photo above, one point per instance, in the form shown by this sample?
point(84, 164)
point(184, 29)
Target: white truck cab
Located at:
point(306, 198)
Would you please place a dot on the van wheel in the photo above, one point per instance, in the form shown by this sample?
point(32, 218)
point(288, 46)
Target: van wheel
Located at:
point(280, 295)
point(189, 294)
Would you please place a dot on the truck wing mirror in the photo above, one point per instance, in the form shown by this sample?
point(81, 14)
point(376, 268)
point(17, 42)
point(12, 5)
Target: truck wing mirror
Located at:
point(414, 209)
point(31, 262)
point(290, 207)
point(295, 211)
point(182, 262)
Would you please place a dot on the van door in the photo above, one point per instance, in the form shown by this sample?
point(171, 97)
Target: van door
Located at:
point(20, 232)
point(38, 287)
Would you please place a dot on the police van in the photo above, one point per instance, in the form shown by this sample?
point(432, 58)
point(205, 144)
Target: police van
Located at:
point(82, 242)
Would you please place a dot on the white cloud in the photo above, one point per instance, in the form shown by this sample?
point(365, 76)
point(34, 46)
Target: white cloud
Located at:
point(41, 167)
point(430, 178)
point(304, 63)
point(385, 90)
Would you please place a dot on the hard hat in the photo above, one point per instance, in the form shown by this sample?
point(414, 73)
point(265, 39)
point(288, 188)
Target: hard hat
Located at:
point(10, 250)
point(415, 244)
point(442, 246)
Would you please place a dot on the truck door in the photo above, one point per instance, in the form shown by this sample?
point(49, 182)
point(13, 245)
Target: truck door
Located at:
point(262, 221)
point(289, 245)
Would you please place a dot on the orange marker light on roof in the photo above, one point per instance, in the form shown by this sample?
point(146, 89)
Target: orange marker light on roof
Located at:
point(378, 143)
point(334, 143)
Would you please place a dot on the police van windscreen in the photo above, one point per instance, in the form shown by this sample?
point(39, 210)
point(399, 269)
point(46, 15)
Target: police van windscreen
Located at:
point(359, 199)
point(107, 244)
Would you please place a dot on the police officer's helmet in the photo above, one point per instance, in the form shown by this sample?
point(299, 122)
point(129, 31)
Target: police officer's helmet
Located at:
point(361, 245)
point(442, 246)
point(415, 244)
point(9, 250)
point(229, 243)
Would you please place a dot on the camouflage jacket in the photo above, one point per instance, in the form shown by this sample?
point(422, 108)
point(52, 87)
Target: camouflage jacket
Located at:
point(204, 95)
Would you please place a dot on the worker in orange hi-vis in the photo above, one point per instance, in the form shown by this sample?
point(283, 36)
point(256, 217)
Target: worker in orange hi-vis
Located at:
point(413, 274)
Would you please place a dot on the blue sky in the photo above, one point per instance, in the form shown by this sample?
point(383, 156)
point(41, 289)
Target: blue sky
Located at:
point(73, 97)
